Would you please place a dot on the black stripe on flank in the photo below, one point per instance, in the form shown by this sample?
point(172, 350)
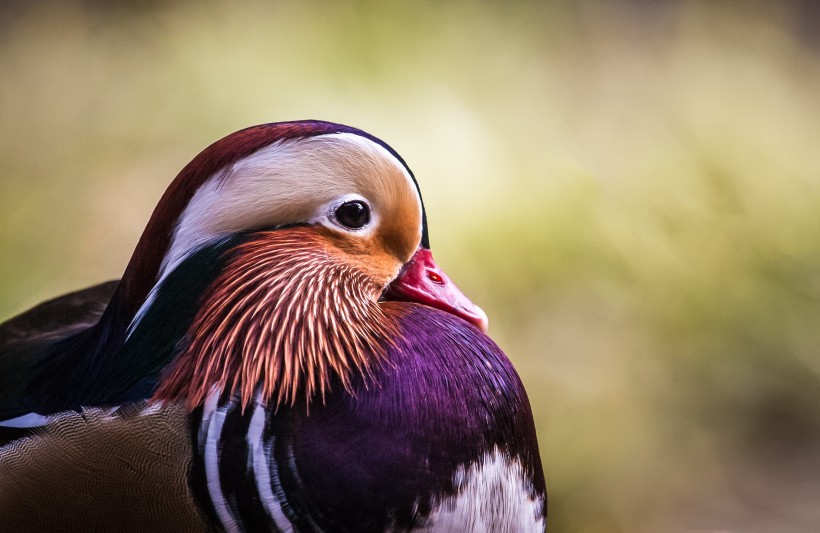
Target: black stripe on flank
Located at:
point(197, 478)
point(270, 443)
point(236, 472)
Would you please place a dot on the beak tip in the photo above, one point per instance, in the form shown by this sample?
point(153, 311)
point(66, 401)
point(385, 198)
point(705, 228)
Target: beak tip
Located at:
point(421, 281)
point(484, 322)
point(478, 318)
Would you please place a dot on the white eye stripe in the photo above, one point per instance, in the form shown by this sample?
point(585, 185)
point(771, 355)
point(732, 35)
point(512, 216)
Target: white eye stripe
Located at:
point(272, 187)
point(260, 189)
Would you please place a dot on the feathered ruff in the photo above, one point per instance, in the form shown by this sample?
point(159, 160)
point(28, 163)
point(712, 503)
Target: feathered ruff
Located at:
point(286, 314)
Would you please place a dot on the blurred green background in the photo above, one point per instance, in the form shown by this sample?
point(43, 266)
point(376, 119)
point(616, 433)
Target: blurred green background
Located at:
point(630, 189)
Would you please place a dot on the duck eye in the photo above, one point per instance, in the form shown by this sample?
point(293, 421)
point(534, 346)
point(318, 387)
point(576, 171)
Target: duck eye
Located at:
point(353, 215)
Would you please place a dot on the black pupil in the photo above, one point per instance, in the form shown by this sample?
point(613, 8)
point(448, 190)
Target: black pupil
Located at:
point(354, 215)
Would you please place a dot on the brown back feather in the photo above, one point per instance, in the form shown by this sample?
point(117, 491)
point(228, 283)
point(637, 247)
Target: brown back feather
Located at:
point(101, 472)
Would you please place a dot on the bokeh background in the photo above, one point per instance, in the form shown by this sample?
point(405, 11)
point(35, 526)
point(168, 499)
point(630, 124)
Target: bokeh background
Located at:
point(630, 189)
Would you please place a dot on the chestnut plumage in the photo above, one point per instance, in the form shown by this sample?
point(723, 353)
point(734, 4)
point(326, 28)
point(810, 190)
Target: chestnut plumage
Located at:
point(286, 315)
point(282, 310)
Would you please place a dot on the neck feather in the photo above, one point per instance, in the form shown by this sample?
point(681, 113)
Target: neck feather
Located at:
point(286, 317)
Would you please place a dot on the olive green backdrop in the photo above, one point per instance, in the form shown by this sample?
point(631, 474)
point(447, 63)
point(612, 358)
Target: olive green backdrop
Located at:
point(630, 189)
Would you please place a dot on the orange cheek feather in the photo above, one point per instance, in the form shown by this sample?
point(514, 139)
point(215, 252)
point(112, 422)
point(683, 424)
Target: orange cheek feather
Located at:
point(292, 310)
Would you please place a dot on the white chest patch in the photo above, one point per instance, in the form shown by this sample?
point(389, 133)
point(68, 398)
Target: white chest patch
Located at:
point(494, 497)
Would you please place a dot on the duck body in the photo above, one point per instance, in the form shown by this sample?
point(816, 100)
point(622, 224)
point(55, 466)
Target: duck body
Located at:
point(281, 354)
point(442, 439)
point(439, 439)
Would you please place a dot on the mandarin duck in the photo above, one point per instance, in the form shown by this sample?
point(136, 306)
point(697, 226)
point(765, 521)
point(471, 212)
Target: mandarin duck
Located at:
point(282, 353)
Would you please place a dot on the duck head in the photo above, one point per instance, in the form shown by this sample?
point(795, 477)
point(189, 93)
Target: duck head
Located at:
point(306, 229)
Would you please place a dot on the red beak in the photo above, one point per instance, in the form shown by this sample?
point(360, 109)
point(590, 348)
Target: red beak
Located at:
point(422, 281)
